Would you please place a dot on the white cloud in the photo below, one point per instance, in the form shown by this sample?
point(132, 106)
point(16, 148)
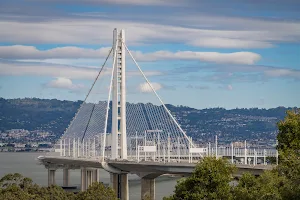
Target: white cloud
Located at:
point(234, 58)
point(82, 30)
point(64, 83)
point(139, 2)
point(56, 70)
point(245, 32)
point(230, 43)
point(227, 74)
point(124, 2)
point(226, 87)
point(281, 72)
point(30, 52)
point(175, 26)
point(229, 87)
point(46, 69)
point(145, 87)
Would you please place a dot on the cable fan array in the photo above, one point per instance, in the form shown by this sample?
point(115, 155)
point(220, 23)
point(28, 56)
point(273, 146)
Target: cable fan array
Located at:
point(147, 125)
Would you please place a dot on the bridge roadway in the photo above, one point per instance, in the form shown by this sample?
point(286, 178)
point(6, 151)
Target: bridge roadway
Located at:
point(147, 171)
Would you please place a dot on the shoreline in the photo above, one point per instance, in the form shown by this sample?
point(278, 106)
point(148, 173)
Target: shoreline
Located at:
point(5, 150)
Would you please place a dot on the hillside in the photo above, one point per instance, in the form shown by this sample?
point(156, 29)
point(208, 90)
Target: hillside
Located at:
point(237, 124)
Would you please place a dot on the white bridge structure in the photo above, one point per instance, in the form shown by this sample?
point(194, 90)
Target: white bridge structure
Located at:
point(156, 151)
point(123, 120)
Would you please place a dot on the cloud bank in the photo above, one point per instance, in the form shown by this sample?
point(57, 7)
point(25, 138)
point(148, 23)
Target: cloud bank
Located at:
point(31, 52)
point(55, 70)
point(145, 87)
point(64, 83)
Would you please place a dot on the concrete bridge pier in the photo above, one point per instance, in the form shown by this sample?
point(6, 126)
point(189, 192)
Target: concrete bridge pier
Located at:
point(66, 177)
point(51, 176)
point(119, 183)
point(95, 177)
point(148, 188)
point(83, 179)
point(148, 185)
point(88, 176)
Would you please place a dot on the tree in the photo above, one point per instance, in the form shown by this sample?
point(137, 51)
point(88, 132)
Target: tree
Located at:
point(268, 186)
point(15, 179)
point(52, 192)
point(97, 191)
point(289, 152)
point(15, 186)
point(289, 132)
point(210, 180)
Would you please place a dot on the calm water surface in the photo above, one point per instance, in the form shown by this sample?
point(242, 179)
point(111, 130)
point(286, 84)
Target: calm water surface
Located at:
point(27, 165)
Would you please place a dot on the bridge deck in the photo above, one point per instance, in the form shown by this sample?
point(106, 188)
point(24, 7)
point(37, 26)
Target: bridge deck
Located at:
point(137, 168)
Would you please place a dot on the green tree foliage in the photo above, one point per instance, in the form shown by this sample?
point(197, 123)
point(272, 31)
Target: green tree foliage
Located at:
point(97, 191)
point(15, 180)
point(53, 192)
point(210, 180)
point(289, 133)
point(289, 151)
point(284, 181)
point(268, 186)
point(15, 186)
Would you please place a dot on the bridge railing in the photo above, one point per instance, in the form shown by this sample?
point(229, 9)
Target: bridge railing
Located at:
point(91, 149)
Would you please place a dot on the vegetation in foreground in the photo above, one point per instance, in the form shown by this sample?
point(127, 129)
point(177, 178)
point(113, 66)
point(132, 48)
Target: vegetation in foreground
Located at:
point(17, 187)
point(211, 178)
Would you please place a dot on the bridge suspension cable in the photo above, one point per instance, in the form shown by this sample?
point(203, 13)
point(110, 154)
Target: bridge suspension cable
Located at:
point(148, 121)
point(108, 101)
point(163, 104)
point(84, 101)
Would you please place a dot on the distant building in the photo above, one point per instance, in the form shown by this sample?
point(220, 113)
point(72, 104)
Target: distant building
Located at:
point(19, 145)
point(238, 144)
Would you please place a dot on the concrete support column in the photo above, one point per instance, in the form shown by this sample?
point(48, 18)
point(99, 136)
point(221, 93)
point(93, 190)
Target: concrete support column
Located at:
point(95, 176)
point(148, 188)
point(83, 179)
point(89, 176)
point(119, 183)
point(51, 176)
point(66, 177)
point(114, 182)
point(124, 187)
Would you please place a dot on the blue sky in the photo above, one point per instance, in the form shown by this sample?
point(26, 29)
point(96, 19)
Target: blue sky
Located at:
point(197, 53)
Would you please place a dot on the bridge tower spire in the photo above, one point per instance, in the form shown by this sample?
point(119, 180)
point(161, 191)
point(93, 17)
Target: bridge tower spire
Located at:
point(119, 136)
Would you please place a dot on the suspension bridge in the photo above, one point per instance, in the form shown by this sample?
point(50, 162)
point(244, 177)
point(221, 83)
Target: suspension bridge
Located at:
point(123, 126)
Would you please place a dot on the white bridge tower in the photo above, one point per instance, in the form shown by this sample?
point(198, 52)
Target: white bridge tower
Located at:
point(119, 137)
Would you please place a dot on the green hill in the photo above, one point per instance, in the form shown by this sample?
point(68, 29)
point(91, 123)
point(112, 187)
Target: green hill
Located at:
point(53, 115)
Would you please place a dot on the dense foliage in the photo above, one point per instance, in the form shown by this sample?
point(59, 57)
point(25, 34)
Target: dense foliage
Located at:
point(15, 186)
point(53, 115)
point(289, 132)
point(212, 177)
point(210, 180)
